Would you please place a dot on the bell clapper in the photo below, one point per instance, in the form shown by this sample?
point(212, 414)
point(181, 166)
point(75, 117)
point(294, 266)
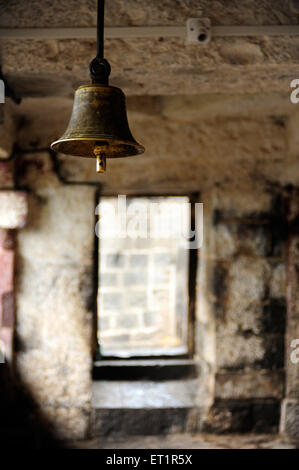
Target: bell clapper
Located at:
point(101, 162)
point(101, 159)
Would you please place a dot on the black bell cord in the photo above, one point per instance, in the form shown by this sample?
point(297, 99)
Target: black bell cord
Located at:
point(99, 68)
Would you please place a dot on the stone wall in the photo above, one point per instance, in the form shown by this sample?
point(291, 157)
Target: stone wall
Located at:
point(241, 294)
point(54, 296)
point(249, 299)
point(241, 304)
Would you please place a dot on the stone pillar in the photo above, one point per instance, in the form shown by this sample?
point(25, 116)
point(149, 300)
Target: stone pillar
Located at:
point(55, 296)
point(290, 405)
point(13, 211)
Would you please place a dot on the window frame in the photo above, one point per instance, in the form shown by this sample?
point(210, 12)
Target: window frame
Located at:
point(193, 261)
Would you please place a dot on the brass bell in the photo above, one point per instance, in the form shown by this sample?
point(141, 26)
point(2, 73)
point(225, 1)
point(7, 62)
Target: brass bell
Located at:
point(98, 127)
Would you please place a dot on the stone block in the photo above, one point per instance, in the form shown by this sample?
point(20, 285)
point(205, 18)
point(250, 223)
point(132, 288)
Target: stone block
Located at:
point(127, 321)
point(127, 422)
point(115, 261)
point(162, 275)
point(247, 279)
point(161, 298)
point(242, 53)
point(55, 381)
point(136, 299)
point(60, 227)
point(67, 423)
point(226, 241)
point(278, 281)
point(265, 416)
point(253, 238)
point(250, 384)
point(163, 259)
point(249, 321)
point(242, 416)
point(227, 418)
point(138, 261)
point(13, 209)
point(135, 278)
point(112, 301)
point(117, 342)
point(242, 290)
point(236, 351)
point(244, 203)
point(108, 279)
point(240, 237)
point(151, 319)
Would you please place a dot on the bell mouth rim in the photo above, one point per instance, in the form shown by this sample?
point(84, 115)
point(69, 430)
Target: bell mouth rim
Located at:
point(139, 149)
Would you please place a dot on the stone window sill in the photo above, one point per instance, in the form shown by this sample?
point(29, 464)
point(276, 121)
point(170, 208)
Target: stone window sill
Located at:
point(145, 369)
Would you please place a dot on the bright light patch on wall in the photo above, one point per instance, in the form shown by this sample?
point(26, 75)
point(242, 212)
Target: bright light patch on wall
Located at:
point(143, 276)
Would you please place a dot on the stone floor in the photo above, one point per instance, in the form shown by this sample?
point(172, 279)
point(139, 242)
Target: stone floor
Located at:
point(188, 441)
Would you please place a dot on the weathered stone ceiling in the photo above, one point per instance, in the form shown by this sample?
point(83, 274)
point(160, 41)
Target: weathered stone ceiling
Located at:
point(66, 13)
point(230, 123)
point(157, 66)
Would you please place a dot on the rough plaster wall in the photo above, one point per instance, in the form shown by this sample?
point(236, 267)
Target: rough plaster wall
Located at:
point(228, 141)
point(54, 285)
point(153, 66)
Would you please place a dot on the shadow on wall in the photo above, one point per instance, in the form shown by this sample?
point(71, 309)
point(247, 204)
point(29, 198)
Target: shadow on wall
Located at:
point(22, 425)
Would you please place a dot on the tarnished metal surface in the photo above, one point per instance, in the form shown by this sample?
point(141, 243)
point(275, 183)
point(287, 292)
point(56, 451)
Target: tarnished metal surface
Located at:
point(98, 121)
